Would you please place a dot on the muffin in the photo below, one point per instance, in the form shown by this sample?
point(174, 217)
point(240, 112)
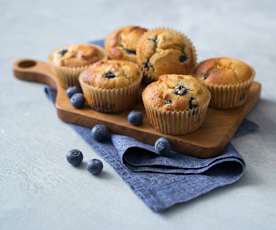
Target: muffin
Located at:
point(165, 51)
point(176, 104)
point(68, 62)
point(111, 85)
point(227, 79)
point(121, 44)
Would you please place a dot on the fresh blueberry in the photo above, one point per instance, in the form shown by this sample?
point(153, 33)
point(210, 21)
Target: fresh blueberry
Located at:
point(72, 90)
point(74, 157)
point(162, 146)
point(77, 100)
point(135, 118)
point(100, 133)
point(95, 166)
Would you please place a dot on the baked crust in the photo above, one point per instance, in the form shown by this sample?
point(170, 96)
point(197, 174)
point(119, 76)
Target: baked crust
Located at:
point(174, 92)
point(111, 74)
point(223, 71)
point(77, 55)
point(121, 44)
point(165, 51)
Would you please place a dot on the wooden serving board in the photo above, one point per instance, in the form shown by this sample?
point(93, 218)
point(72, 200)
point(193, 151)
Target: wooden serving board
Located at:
point(209, 140)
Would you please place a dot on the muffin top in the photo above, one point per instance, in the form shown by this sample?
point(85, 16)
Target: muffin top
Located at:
point(223, 71)
point(165, 51)
point(174, 92)
point(77, 55)
point(110, 74)
point(121, 44)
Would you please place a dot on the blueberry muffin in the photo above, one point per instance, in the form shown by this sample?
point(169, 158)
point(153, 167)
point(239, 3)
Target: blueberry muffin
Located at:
point(68, 62)
point(121, 44)
point(227, 79)
point(176, 104)
point(165, 51)
point(111, 85)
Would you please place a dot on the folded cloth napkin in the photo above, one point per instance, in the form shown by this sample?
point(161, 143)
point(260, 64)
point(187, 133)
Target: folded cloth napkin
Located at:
point(160, 181)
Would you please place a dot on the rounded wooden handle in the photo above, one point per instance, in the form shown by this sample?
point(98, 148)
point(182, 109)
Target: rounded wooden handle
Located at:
point(33, 70)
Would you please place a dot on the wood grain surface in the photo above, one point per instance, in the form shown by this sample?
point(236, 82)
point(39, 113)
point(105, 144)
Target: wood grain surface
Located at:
point(209, 140)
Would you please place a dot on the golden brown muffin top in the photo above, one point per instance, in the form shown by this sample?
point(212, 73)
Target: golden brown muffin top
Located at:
point(223, 71)
point(176, 93)
point(111, 74)
point(77, 55)
point(121, 44)
point(165, 51)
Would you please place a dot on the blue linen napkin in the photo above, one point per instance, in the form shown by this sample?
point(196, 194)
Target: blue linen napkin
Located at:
point(162, 182)
point(159, 181)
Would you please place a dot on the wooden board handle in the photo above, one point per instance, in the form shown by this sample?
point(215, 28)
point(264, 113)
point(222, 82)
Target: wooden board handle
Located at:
point(33, 70)
point(209, 140)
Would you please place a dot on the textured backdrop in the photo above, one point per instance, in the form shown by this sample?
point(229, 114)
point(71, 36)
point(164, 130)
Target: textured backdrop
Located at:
point(39, 190)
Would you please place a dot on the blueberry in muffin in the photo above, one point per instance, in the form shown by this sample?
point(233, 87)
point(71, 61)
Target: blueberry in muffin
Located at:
point(176, 104)
point(165, 51)
point(111, 85)
point(121, 44)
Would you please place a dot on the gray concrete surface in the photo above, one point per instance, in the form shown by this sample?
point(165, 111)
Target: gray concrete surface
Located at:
point(39, 190)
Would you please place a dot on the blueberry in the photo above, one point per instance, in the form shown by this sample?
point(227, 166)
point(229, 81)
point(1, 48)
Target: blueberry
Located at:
point(74, 157)
point(193, 104)
point(183, 58)
point(109, 75)
point(63, 52)
point(77, 100)
point(135, 118)
point(147, 65)
point(72, 90)
point(167, 101)
point(162, 146)
point(100, 133)
point(130, 51)
point(204, 76)
point(180, 90)
point(95, 166)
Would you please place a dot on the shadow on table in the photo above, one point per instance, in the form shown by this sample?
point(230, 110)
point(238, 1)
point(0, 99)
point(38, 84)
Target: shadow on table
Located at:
point(260, 115)
point(105, 175)
point(249, 178)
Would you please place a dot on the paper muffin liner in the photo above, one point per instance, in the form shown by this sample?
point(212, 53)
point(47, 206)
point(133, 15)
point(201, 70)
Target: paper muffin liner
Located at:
point(229, 96)
point(111, 100)
point(69, 76)
point(189, 41)
point(177, 122)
